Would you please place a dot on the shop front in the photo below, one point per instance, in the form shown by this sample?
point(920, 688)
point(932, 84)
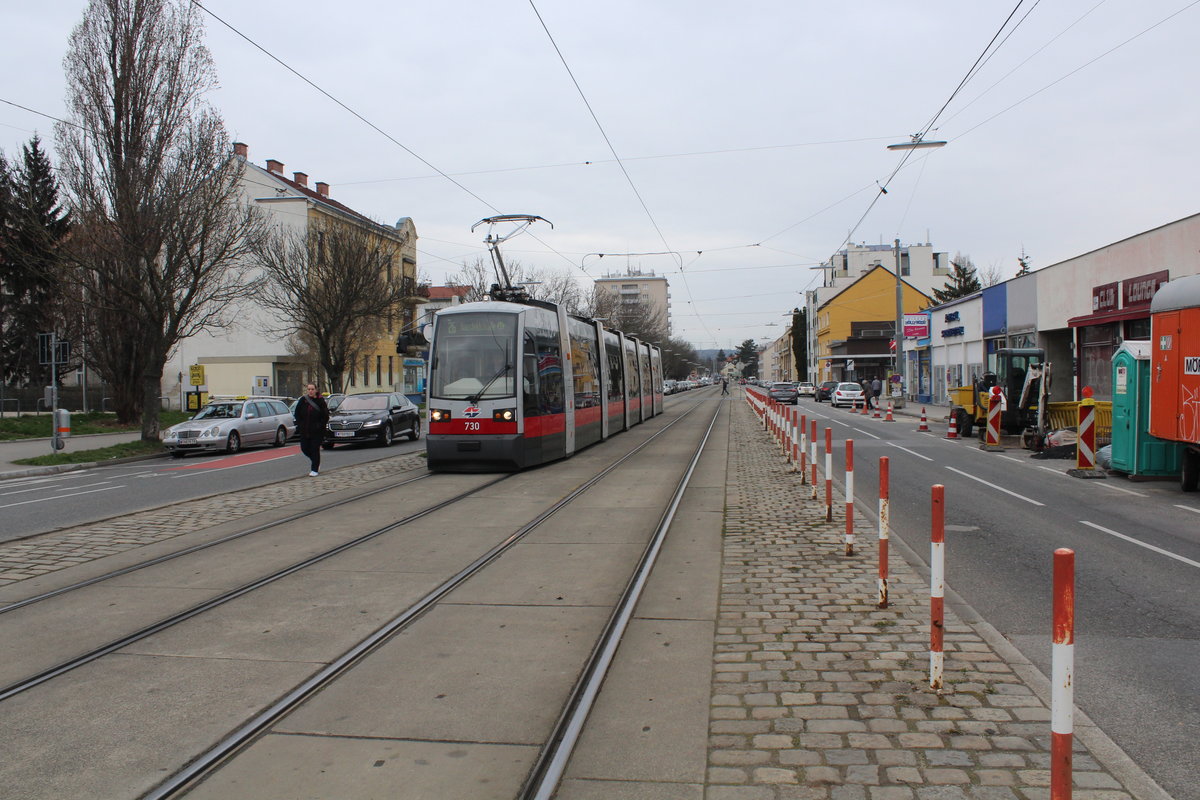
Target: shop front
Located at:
point(1120, 312)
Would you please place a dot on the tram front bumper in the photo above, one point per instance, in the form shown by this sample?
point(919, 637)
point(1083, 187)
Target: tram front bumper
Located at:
point(475, 454)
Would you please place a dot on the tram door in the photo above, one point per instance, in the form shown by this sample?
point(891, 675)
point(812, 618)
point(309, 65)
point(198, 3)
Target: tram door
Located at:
point(603, 388)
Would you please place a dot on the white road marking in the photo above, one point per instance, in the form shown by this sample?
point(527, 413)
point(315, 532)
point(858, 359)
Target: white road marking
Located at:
point(864, 433)
point(1167, 553)
point(910, 452)
point(61, 496)
point(1188, 508)
point(1055, 471)
point(84, 486)
point(1108, 485)
point(994, 486)
point(1010, 458)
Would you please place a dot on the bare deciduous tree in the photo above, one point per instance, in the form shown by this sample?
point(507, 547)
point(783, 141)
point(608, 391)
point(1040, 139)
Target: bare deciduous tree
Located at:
point(553, 286)
point(163, 230)
point(331, 289)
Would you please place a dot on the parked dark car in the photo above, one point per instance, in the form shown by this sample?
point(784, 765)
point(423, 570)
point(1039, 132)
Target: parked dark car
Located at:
point(783, 393)
point(377, 417)
point(825, 390)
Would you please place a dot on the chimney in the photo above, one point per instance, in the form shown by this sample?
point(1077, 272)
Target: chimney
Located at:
point(274, 166)
point(323, 188)
point(240, 149)
point(301, 178)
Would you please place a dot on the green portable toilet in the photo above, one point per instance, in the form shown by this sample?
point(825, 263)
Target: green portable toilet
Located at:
point(1134, 450)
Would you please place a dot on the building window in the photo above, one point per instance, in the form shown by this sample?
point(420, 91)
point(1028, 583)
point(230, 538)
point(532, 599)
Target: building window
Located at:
point(366, 371)
point(391, 376)
point(378, 370)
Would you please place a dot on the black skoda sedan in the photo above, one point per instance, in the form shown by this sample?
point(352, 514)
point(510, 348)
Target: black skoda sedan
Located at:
point(377, 417)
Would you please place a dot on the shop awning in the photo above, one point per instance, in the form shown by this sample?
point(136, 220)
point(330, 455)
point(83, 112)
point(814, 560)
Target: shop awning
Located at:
point(1102, 317)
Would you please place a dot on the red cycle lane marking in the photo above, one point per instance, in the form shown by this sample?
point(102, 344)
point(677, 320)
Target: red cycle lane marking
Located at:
point(241, 459)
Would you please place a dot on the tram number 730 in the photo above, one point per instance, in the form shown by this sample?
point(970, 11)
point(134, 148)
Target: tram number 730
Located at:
point(472, 426)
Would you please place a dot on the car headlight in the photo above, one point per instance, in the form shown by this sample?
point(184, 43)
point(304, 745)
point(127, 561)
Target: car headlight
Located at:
point(209, 433)
point(439, 415)
point(372, 423)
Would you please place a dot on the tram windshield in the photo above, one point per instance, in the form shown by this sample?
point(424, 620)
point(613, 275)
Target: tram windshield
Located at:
point(474, 357)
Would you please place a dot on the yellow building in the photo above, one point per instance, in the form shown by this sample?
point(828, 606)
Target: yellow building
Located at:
point(856, 326)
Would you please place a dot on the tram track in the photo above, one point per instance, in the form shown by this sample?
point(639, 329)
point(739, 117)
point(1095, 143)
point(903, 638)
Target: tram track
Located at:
point(565, 730)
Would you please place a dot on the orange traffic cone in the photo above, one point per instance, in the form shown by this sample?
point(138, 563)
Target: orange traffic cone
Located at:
point(924, 426)
point(953, 432)
point(889, 413)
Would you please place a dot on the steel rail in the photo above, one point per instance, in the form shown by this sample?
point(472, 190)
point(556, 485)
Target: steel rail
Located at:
point(206, 762)
point(547, 771)
point(204, 546)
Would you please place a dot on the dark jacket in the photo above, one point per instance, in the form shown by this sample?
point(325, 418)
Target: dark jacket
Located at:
point(310, 422)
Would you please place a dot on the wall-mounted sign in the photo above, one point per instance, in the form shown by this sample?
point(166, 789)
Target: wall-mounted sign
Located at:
point(1140, 291)
point(1104, 298)
point(959, 331)
point(916, 326)
point(952, 316)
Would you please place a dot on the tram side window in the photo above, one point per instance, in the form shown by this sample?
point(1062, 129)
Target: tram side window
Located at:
point(631, 369)
point(542, 343)
point(616, 386)
point(585, 368)
point(529, 380)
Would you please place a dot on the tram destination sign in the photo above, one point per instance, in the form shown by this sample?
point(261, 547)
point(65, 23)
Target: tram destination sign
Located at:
point(496, 324)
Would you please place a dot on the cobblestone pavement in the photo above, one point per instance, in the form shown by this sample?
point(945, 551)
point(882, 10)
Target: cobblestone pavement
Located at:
point(820, 695)
point(50, 552)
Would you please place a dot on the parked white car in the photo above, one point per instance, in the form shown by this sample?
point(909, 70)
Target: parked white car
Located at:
point(230, 425)
point(850, 394)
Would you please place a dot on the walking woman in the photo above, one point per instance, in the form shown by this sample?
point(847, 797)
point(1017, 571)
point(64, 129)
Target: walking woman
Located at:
point(311, 416)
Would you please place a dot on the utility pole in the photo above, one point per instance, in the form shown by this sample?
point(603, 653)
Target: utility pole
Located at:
point(899, 321)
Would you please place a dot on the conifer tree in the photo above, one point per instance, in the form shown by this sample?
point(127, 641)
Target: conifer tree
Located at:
point(963, 282)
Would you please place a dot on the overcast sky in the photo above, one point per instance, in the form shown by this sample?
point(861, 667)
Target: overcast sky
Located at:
point(755, 133)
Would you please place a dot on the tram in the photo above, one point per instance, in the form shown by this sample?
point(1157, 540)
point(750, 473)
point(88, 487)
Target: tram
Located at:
point(514, 384)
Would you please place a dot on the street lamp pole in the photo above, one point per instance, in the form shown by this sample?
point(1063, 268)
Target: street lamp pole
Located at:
point(899, 321)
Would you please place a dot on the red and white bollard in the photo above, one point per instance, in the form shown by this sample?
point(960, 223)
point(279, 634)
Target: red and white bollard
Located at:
point(813, 446)
point(849, 497)
point(952, 432)
point(1062, 669)
point(883, 531)
point(803, 449)
point(829, 474)
point(924, 426)
point(937, 586)
point(888, 418)
point(1085, 448)
point(992, 437)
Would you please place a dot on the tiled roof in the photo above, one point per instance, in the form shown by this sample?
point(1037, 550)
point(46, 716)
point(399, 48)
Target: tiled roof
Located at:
point(447, 292)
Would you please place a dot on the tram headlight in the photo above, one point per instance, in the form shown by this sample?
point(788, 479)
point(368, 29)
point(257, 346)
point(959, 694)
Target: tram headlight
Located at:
point(439, 415)
point(504, 415)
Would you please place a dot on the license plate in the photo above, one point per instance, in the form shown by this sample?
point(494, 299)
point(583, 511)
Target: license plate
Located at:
point(346, 434)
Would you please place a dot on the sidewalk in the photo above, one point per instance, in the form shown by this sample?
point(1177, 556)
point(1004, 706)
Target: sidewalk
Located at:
point(820, 695)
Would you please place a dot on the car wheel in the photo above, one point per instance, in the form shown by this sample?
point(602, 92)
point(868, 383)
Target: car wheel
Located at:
point(327, 445)
point(177, 454)
point(280, 437)
point(234, 443)
point(415, 433)
point(385, 436)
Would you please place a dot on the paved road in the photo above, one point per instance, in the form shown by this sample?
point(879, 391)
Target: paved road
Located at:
point(1137, 562)
point(41, 503)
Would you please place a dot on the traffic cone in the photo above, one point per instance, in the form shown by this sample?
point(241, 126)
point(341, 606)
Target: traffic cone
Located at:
point(865, 411)
point(924, 426)
point(877, 414)
point(953, 432)
point(889, 413)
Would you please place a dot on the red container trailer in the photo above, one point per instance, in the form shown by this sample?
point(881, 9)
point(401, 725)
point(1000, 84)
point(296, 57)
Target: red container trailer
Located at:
point(1175, 371)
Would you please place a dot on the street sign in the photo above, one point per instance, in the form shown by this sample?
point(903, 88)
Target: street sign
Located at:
point(196, 374)
point(52, 350)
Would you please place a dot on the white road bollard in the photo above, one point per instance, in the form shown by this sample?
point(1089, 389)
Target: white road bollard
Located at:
point(883, 531)
point(849, 497)
point(1062, 693)
point(803, 449)
point(937, 586)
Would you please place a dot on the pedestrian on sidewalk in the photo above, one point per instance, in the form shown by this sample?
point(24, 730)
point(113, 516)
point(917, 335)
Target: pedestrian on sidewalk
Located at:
point(876, 390)
point(312, 414)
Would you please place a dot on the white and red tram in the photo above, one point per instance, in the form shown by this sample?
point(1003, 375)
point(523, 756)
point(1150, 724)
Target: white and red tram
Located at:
point(514, 384)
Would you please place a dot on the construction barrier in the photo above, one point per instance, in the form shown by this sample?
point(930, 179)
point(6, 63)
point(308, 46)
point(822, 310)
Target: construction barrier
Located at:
point(883, 531)
point(1062, 692)
point(1085, 445)
point(992, 437)
point(937, 586)
point(849, 497)
point(1066, 415)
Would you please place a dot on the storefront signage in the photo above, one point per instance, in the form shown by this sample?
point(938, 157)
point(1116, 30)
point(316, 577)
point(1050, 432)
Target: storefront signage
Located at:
point(1140, 291)
point(953, 332)
point(952, 316)
point(1104, 298)
point(1191, 365)
point(916, 326)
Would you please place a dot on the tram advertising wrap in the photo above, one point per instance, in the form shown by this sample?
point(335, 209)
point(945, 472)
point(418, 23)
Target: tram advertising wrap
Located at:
point(517, 384)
